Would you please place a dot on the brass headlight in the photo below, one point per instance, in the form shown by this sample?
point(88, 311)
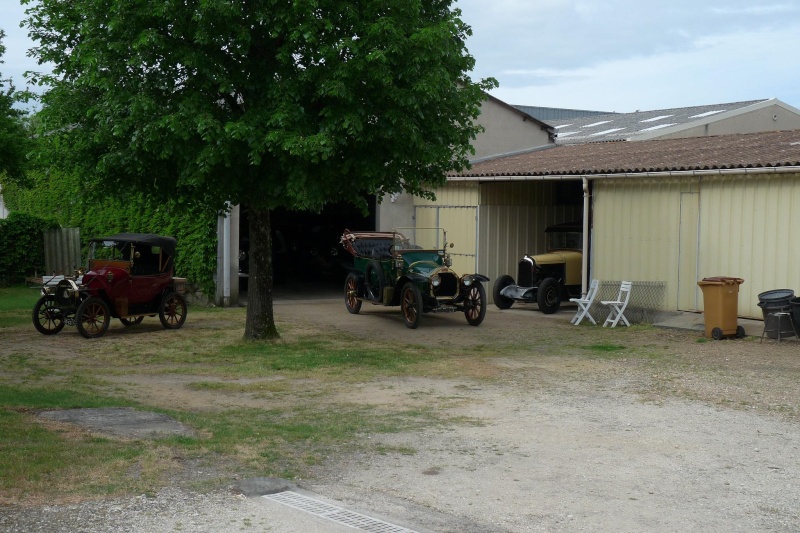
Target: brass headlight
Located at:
point(467, 281)
point(436, 280)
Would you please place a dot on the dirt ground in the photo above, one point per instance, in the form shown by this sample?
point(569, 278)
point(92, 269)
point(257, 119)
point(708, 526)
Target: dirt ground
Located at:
point(641, 429)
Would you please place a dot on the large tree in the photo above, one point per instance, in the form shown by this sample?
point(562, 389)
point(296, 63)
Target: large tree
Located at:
point(14, 138)
point(264, 103)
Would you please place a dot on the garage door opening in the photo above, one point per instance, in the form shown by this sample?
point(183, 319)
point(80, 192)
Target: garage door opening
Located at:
point(306, 254)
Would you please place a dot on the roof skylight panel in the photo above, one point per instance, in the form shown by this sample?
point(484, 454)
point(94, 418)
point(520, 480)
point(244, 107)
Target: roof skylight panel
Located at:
point(596, 124)
point(612, 130)
point(707, 114)
point(651, 128)
point(655, 118)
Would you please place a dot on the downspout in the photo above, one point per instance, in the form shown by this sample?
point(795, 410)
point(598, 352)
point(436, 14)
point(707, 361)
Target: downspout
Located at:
point(226, 261)
point(585, 258)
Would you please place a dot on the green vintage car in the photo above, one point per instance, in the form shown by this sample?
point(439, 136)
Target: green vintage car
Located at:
point(410, 267)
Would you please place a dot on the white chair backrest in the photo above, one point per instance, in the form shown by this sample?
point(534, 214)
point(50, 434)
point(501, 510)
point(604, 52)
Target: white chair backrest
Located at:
point(624, 291)
point(593, 286)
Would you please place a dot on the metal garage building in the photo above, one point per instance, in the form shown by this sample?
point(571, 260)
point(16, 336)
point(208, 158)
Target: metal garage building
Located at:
point(671, 211)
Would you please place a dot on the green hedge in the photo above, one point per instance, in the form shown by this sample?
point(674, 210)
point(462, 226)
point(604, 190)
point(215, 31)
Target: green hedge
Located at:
point(22, 246)
point(66, 199)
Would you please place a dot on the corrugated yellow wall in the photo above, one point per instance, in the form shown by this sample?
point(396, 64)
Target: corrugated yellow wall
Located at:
point(455, 210)
point(680, 230)
point(749, 228)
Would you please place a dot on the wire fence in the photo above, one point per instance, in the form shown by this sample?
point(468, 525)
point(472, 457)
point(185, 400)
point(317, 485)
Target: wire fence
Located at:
point(646, 304)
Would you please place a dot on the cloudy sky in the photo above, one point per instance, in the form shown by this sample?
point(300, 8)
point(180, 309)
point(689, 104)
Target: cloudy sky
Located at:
point(609, 55)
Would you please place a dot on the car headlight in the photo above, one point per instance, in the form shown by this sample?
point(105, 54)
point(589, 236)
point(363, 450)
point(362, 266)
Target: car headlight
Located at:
point(467, 281)
point(436, 280)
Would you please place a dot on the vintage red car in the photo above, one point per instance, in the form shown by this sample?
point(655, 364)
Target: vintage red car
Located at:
point(128, 276)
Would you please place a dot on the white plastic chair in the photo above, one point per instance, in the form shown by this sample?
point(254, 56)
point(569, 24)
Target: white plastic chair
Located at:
point(617, 307)
point(585, 303)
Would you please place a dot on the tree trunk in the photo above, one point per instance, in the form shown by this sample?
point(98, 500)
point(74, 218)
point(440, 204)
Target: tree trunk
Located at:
point(260, 322)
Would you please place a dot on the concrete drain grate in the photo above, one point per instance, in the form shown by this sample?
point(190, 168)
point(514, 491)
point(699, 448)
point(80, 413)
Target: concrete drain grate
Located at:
point(334, 513)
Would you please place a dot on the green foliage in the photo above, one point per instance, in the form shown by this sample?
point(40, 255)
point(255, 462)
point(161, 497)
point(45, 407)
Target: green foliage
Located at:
point(63, 196)
point(14, 137)
point(22, 246)
point(270, 105)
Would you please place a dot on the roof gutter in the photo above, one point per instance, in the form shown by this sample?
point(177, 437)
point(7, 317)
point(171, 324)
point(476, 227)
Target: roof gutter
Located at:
point(617, 175)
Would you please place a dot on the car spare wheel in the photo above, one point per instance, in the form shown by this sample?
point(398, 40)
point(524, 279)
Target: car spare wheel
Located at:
point(375, 280)
point(547, 296)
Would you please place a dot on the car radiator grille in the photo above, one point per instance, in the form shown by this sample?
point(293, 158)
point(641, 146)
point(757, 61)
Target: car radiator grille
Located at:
point(525, 277)
point(449, 286)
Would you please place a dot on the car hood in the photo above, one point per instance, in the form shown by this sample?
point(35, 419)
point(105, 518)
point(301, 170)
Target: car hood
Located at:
point(555, 257)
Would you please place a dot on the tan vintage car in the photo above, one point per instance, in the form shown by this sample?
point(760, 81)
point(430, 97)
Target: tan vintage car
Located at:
point(549, 278)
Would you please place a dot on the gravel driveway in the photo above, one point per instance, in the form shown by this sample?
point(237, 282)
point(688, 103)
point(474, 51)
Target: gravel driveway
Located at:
point(703, 439)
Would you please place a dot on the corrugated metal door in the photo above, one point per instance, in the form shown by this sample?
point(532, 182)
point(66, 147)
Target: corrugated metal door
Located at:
point(687, 252)
point(460, 223)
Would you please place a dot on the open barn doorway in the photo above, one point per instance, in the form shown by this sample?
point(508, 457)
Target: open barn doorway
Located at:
point(306, 254)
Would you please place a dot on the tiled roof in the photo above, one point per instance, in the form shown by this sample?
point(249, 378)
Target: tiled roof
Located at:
point(621, 126)
point(751, 150)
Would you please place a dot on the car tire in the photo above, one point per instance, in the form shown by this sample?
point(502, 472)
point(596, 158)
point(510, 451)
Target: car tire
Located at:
point(93, 318)
point(411, 305)
point(548, 296)
point(373, 274)
point(131, 321)
point(351, 301)
point(47, 318)
point(172, 311)
point(501, 301)
point(475, 304)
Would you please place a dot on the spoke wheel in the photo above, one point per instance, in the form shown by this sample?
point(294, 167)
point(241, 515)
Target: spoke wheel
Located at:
point(131, 321)
point(411, 305)
point(351, 300)
point(93, 318)
point(475, 304)
point(47, 319)
point(172, 311)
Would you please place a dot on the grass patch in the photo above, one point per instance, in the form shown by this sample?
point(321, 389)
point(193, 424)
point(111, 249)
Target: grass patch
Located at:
point(604, 348)
point(16, 305)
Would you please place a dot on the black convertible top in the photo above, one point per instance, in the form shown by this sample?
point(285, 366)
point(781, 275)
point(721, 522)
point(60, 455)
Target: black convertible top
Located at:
point(167, 244)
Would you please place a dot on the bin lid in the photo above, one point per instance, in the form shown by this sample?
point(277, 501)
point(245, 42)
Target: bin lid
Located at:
point(720, 280)
point(777, 294)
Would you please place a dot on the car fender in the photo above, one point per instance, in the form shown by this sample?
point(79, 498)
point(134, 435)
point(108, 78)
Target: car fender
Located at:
point(480, 277)
point(516, 292)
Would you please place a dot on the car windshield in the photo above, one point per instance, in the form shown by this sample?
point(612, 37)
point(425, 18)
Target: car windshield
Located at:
point(420, 238)
point(109, 250)
point(566, 239)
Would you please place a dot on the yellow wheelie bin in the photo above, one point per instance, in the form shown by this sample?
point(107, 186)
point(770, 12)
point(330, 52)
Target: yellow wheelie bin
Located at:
point(721, 307)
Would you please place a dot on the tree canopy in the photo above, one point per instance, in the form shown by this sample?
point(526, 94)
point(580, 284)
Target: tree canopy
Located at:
point(14, 138)
point(264, 103)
